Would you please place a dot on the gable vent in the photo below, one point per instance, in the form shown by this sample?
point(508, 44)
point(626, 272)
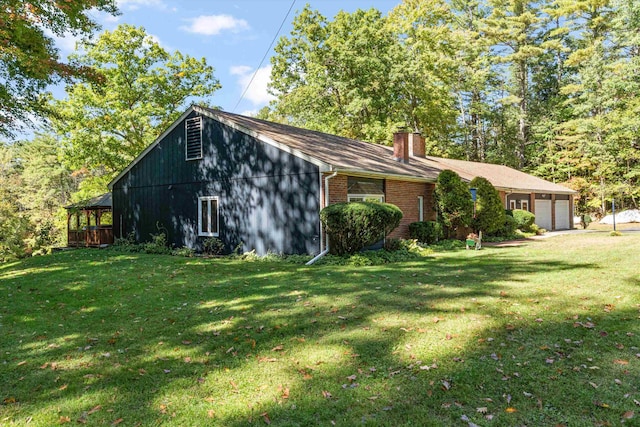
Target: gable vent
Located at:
point(193, 132)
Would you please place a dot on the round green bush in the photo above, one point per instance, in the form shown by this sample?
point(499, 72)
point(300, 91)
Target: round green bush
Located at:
point(509, 226)
point(453, 200)
point(427, 232)
point(490, 216)
point(355, 225)
point(524, 219)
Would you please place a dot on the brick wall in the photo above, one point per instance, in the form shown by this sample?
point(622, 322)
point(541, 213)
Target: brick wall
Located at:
point(400, 193)
point(404, 195)
point(337, 189)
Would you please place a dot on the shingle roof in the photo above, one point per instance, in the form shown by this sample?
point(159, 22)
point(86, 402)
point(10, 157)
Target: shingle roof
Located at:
point(336, 153)
point(344, 154)
point(101, 201)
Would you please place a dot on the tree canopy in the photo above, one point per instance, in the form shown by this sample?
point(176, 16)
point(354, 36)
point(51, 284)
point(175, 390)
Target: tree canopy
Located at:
point(104, 125)
point(29, 60)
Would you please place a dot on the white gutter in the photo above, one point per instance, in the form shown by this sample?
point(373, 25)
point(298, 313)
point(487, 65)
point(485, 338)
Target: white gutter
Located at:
point(326, 203)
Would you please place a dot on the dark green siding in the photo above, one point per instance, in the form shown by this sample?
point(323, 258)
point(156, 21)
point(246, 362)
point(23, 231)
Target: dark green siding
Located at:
point(268, 199)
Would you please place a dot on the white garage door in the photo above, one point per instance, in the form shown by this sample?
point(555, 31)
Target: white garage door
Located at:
point(562, 214)
point(543, 213)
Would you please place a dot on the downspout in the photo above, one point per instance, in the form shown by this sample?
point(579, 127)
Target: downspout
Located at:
point(326, 236)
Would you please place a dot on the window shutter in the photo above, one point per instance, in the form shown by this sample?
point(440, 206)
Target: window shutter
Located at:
point(193, 132)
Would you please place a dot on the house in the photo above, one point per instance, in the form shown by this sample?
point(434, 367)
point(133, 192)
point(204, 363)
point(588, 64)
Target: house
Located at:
point(262, 185)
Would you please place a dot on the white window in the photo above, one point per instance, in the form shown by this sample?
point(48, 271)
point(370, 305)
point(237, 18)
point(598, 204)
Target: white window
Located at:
point(365, 198)
point(525, 205)
point(208, 216)
point(193, 138)
point(420, 208)
point(512, 204)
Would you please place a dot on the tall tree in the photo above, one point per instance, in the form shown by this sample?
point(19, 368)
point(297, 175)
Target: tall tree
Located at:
point(514, 26)
point(29, 60)
point(334, 76)
point(144, 89)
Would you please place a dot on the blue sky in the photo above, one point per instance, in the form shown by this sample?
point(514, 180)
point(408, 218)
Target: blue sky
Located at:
point(233, 36)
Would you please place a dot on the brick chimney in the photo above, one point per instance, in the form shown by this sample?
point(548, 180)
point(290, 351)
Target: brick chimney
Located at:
point(401, 147)
point(416, 145)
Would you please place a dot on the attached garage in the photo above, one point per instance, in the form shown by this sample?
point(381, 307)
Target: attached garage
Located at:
point(543, 212)
point(562, 214)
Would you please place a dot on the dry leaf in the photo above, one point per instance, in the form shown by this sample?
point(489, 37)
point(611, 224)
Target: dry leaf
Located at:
point(621, 362)
point(118, 421)
point(277, 348)
point(445, 385)
point(482, 410)
point(628, 415)
point(326, 394)
point(94, 410)
point(64, 419)
point(211, 413)
point(265, 417)
point(510, 410)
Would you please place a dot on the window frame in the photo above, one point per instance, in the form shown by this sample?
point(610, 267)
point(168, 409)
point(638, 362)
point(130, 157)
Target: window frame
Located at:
point(365, 197)
point(524, 204)
point(210, 223)
point(513, 204)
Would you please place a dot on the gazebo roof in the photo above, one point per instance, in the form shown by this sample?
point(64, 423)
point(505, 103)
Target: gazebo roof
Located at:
point(102, 201)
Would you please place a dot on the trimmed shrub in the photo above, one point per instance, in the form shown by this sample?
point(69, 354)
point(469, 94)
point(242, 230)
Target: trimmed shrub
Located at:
point(356, 225)
point(427, 232)
point(212, 246)
point(453, 201)
point(509, 226)
point(490, 215)
point(524, 219)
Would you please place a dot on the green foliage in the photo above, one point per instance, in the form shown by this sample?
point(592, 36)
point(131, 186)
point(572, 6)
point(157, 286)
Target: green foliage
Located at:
point(490, 214)
point(157, 245)
point(428, 232)
point(453, 202)
point(212, 246)
point(353, 226)
point(396, 250)
point(144, 89)
point(524, 219)
point(29, 59)
point(509, 226)
point(184, 252)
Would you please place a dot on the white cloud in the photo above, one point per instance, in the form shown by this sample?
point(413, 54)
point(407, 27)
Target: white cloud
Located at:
point(211, 25)
point(256, 93)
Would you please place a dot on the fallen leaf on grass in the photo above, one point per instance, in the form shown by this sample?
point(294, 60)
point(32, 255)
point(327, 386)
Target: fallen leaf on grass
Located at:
point(510, 410)
point(445, 385)
point(211, 413)
point(24, 362)
point(326, 394)
point(64, 419)
point(94, 409)
point(628, 415)
point(278, 348)
point(600, 404)
point(265, 418)
point(482, 410)
point(621, 362)
point(118, 421)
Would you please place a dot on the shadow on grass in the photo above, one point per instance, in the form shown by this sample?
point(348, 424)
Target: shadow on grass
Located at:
point(161, 339)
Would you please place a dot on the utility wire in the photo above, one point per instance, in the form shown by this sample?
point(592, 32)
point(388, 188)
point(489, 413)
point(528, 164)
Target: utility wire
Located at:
point(264, 57)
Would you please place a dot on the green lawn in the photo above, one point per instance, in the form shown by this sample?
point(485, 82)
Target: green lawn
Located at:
point(547, 333)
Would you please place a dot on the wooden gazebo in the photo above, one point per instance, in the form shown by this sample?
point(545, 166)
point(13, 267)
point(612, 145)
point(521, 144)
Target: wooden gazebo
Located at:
point(89, 223)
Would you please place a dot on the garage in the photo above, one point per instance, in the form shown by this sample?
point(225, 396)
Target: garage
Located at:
point(543, 213)
point(562, 215)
